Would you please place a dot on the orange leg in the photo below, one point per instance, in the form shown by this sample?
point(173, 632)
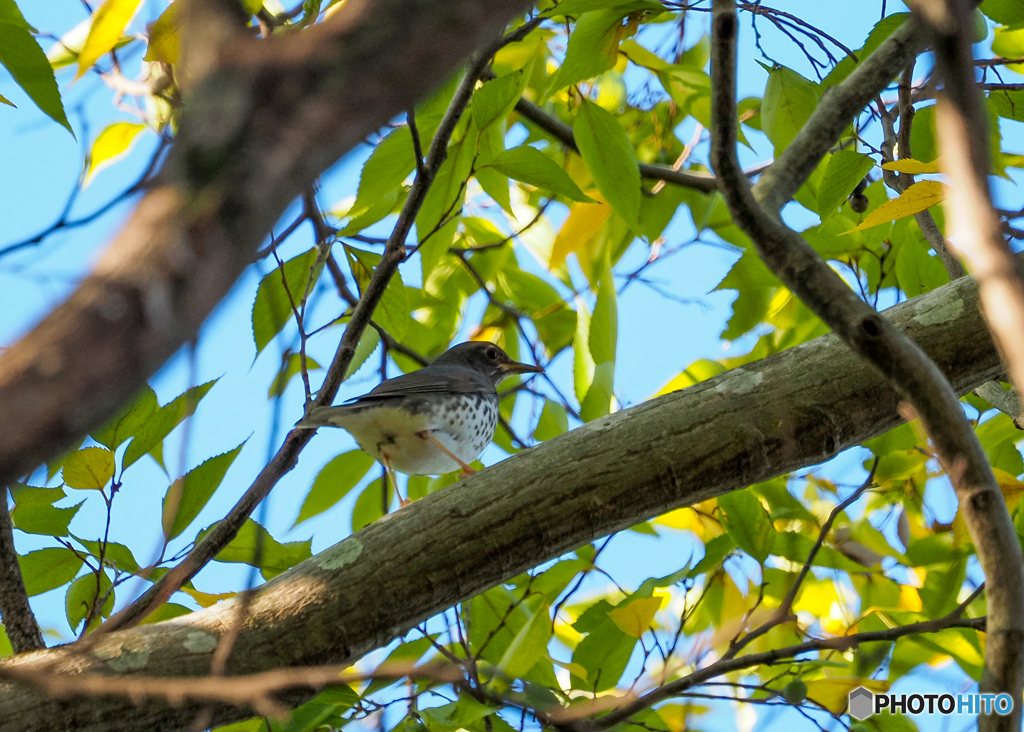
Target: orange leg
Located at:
point(402, 503)
point(466, 470)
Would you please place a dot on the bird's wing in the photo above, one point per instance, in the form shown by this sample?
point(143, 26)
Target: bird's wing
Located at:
point(428, 381)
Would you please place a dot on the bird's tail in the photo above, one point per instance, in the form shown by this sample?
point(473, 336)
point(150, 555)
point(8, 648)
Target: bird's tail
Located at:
point(322, 417)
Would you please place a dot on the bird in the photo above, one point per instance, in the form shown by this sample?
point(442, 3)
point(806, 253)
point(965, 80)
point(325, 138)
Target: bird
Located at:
point(431, 421)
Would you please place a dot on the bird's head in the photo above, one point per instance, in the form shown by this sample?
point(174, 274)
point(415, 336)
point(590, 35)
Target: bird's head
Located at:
point(486, 358)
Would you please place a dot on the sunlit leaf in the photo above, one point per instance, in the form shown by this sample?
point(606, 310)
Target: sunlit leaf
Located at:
point(111, 145)
point(89, 595)
point(21, 55)
point(291, 366)
point(919, 197)
point(187, 496)
point(253, 545)
point(915, 167)
point(496, 98)
point(529, 165)
point(159, 423)
point(164, 39)
point(281, 290)
point(636, 616)
point(333, 482)
point(609, 155)
point(845, 170)
point(109, 21)
point(90, 468)
point(46, 569)
point(788, 102)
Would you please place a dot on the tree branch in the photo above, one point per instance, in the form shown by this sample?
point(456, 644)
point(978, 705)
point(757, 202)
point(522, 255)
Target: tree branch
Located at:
point(19, 622)
point(254, 133)
point(793, 409)
point(904, 364)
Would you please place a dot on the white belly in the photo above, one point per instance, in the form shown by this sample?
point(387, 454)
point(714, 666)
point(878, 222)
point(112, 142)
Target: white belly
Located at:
point(393, 433)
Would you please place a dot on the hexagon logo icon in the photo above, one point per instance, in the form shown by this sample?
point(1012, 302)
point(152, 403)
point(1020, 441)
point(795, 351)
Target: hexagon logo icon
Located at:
point(861, 703)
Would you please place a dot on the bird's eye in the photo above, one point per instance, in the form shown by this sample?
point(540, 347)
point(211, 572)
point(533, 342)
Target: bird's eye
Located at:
point(492, 354)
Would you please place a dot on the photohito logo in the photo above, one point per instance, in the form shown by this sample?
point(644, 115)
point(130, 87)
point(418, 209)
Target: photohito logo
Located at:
point(863, 703)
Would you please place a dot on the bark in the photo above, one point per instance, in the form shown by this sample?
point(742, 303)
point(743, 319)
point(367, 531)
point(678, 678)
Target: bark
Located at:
point(19, 622)
point(254, 133)
point(791, 410)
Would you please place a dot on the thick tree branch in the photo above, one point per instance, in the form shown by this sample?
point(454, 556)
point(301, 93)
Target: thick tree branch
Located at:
point(255, 132)
point(791, 410)
point(19, 622)
point(904, 365)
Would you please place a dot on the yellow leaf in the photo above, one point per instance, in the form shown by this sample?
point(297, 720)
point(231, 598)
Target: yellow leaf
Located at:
point(696, 372)
point(579, 230)
point(89, 468)
point(698, 519)
point(164, 43)
point(111, 145)
point(910, 599)
point(574, 668)
point(636, 617)
point(1012, 488)
point(833, 693)
point(109, 21)
point(915, 167)
point(207, 599)
point(917, 198)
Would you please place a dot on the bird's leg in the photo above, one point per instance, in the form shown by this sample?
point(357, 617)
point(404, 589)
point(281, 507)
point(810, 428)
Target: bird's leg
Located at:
point(402, 503)
point(466, 470)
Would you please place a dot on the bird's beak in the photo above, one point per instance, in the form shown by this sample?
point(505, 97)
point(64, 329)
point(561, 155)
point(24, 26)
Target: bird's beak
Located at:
point(520, 368)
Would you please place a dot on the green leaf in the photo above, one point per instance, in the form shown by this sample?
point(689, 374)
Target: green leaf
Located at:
point(108, 23)
point(130, 421)
point(164, 36)
point(845, 170)
point(604, 653)
point(370, 505)
point(496, 98)
point(583, 365)
point(748, 524)
point(84, 593)
point(47, 569)
point(115, 554)
point(111, 145)
point(90, 468)
point(273, 305)
point(553, 421)
point(368, 343)
point(187, 496)
point(608, 153)
point(592, 49)
point(21, 55)
point(158, 425)
point(34, 512)
point(604, 324)
point(789, 100)
point(597, 403)
point(1004, 12)
point(576, 8)
point(291, 366)
point(392, 312)
point(404, 655)
point(5, 643)
point(530, 643)
point(275, 557)
point(333, 482)
point(365, 217)
point(389, 164)
point(529, 165)
point(443, 203)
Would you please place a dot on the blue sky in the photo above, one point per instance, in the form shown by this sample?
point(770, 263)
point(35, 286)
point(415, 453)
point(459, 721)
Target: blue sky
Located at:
point(657, 336)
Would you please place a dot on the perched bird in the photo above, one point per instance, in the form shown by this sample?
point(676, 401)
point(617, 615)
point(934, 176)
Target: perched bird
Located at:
point(431, 421)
